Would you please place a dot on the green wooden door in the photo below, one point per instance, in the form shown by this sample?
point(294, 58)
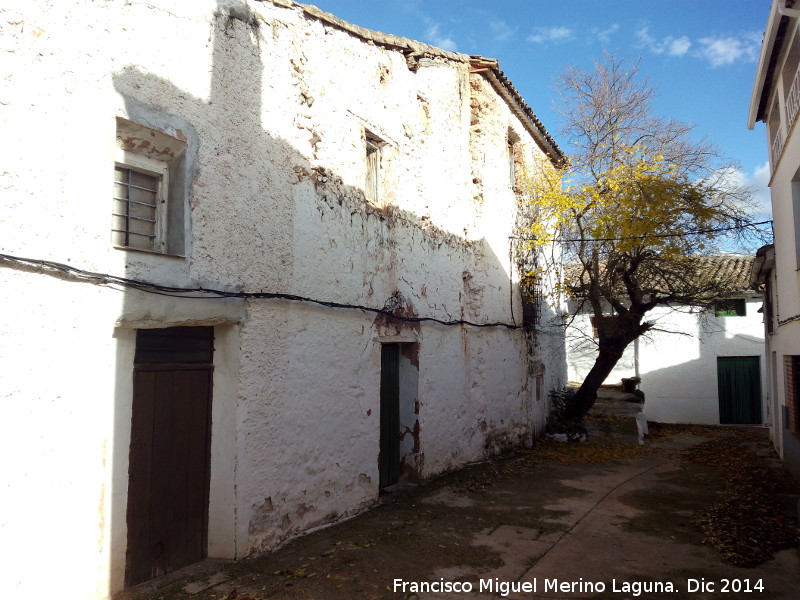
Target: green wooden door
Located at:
point(389, 457)
point(739, 384)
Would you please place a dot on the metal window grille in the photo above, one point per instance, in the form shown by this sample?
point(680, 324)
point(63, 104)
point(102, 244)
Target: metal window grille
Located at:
point(791, 365)
point(134, 209)
point(538, 300)
point(793, 100)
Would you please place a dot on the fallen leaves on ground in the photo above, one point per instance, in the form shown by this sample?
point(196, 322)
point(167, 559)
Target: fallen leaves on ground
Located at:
point(234, 595)
point(599, 452)
point(660, 432)
point(748, 524)
point(605, 450)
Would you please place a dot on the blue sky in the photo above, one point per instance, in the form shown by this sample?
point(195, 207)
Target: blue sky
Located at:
point(699, 54)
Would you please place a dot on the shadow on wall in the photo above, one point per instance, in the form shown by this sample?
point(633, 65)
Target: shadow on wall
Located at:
point(678, 369)
point(254, 217)
point(543, 324)
point(582, 349)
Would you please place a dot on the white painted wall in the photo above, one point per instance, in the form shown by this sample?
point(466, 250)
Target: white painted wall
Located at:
point(272, 114)
point(785, 339)
point(678, 370)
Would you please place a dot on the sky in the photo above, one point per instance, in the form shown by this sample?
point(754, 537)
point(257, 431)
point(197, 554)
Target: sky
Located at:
point(700, 55)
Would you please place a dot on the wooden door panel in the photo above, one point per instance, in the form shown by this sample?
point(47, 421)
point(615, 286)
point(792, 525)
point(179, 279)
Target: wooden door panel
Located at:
point(739, 385)
point(169, 472)
point(139, 479)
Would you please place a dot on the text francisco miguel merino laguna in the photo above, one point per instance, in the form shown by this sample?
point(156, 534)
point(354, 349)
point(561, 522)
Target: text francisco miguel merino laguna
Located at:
point(635, 588)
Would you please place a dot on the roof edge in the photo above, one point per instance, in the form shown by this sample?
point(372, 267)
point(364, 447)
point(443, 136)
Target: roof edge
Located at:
point(767, 48)
point(414, 49)
point(503, 86)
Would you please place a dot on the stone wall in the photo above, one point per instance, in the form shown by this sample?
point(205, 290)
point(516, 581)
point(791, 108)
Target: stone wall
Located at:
point(270, 105)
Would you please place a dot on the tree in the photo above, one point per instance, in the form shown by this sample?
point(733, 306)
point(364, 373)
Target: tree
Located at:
point(637, 203)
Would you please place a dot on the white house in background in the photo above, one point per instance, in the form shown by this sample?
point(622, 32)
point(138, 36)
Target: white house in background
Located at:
point(696, 366)
point(340, 204)
point(776, 101)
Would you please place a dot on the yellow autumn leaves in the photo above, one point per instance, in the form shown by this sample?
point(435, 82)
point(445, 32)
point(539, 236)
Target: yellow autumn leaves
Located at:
point(640, 201)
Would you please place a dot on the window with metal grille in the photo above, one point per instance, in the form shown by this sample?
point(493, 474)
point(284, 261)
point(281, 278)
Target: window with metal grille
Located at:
point(139, 198)
point(538, 300)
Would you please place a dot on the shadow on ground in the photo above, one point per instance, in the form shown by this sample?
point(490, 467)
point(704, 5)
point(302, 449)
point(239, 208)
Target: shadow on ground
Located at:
point(598, 512)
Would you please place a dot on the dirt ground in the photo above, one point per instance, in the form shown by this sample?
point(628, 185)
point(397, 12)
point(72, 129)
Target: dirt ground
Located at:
point(599, 519)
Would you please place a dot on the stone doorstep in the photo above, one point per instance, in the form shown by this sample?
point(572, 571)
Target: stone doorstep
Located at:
point(195, 587)
point(203, 575)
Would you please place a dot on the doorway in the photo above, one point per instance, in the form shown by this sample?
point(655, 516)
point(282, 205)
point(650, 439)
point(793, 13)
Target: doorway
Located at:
point(170, 451)
point(399, 454)
point(739, 385)
point(389, 455)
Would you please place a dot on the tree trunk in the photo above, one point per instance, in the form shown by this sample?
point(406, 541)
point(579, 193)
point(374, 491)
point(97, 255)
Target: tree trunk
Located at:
point(587, 394)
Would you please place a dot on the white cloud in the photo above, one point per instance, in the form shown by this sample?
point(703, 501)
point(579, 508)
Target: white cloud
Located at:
point(758, 184)
point(671, 46)
point(721, 51)
point(439, 39)
point(558, 33)
point(501, 30)
point(562, 33)
point(678, 46)
point(604, 35)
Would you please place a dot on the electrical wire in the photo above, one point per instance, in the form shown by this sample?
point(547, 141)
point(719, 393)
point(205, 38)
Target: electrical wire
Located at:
point(117, 282)
point(789, 320)
point(650, 235)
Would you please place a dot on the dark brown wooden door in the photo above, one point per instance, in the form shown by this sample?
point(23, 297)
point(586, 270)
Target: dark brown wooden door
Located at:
point(169, 455)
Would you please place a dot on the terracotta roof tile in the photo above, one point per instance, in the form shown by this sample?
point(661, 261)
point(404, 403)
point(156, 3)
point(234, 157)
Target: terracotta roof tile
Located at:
point(729, 270)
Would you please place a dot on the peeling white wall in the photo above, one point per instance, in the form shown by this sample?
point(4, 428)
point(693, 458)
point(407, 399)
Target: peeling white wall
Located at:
point(678, 366)
point(272, 106)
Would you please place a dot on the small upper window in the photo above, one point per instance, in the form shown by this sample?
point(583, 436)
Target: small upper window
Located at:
point(511, 144)
point(372, 185)
point(139, 202)
point(734, 307)
point(147, 199)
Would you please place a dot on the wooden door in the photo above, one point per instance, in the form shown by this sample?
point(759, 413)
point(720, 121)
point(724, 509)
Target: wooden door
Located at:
point(170, 451)
point(389, 456)
point(739, 385)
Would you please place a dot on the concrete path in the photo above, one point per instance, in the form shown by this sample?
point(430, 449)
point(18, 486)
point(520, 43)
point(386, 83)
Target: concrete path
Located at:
point(517, 528)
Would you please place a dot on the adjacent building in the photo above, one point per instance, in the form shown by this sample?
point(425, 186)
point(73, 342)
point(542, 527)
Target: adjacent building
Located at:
point(256, 265)
point(776, 102)
point(696, 365)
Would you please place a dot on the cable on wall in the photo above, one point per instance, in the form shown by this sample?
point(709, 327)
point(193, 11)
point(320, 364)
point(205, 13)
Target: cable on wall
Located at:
point(115, 281)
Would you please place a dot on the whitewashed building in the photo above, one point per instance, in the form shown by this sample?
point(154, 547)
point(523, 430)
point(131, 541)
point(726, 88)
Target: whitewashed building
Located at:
point(255, 266)
point(775, 101)
point(695, 366)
